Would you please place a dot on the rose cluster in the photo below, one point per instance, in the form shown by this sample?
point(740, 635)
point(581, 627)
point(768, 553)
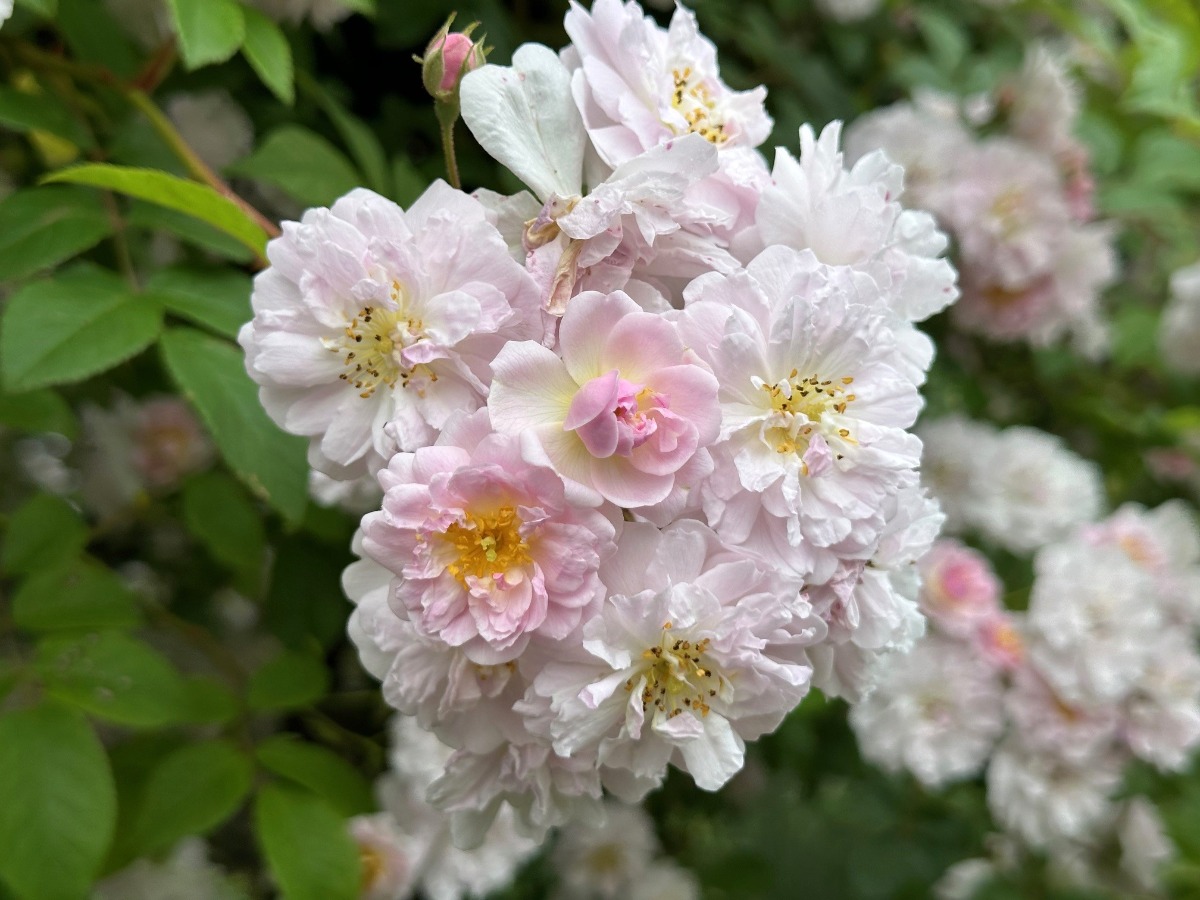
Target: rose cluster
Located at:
point(642, 432)
point(1056, 700)
point(1005, 175)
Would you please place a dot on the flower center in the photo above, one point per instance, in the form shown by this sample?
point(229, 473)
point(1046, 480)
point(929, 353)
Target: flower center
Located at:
point(372, 865)
point(803, 403)
point(373, 343)
point(487, 545)
point(678, 677)
point(693, 100)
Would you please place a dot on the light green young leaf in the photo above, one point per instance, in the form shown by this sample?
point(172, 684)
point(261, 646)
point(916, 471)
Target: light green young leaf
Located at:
point(306, 844)
point(191, 791)
point(301, 163)
point(45, 8)
point(115, 677)
point(80, 595)
point(173, 192)
point(216, 298)
point(42, 112)
point(71, 327)
point(219, 514)
point(269, 54)
point(59, 806)
point(289, 681)
point(42, 227)
point(320, 770)
point(42, 534)
point(213, 376)
point(191, 231)
point(210, 31)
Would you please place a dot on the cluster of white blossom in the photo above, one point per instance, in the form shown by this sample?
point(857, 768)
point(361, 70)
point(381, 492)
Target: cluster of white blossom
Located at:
point(1019, 488)
point(1179, 328)
point(1017, 200)
point(642, 432)
point(1102, 668)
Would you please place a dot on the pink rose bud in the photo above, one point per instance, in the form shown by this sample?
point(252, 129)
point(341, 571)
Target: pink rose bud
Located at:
point(456, 50)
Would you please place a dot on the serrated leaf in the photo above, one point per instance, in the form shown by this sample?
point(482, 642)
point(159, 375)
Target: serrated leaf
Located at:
point(210, 31)
point(191, 791)
point(81, 595)
point(42, 112)
point(216, 298)
point(38, 411)
point(191, 231)
point(71, 327)
point(42, 534)
point(115, 677)
point(289, 681)
point(59, 806)
point(301, 163)
point(42, 227)
point(173, 192)
point(320, 770)
point(220, 515)
point(270, 55)
point(212, 375)
point(306, 845)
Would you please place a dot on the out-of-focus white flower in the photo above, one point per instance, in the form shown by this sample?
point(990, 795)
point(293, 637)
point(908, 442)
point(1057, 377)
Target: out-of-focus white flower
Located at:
point(213, 124)
point(664, 880)
point(1145, 847)
point(42, 458)
point(605, 858)
point(386, 856)
point(1093, 625)
point(1162, 715)
point(148, 22)
point(1047, 724)
point(849, 10)
point(323, 14)
point(6, 10)
point(184, 875)
point(1031, 490)
point(1045, 800)
point(1179, 333)
point(1043, 102)
point(951, 450)
point(936, 712)
point(355, 496)
point(963, 880)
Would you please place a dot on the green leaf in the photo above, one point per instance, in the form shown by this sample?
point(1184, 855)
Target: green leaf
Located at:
point(41, 112)
point(42, 227)
point(407, 183)
point(71, 327)
point(210, 31)
point(173, 192)
point(320, 770)
point(358, 137)
point(269, 54)
point(306, 844)
point(38, 411)
point(305, 601)
point(191, 791)
point(80, 596)
point(212, 375)
point(216, 298)
point(59, 806)
point(45, 8)
point(289, 681)
point(219, 514)
point(191, 231)
point(208, 701)
point(303, 164)
point(115, 677)
point(94, 35)
point(947, 43)
point(41, 534)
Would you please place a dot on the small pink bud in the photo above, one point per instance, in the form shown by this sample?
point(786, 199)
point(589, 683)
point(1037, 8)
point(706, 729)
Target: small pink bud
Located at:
point(456, 50)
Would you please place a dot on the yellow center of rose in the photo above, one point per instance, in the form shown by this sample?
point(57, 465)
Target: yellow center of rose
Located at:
point(371, 344)
point(693, 100)
point(488, 544)
point(678, 677)
point(810, 397)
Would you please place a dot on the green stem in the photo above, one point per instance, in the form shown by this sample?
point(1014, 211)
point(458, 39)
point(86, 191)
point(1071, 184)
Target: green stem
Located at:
point(447, 115)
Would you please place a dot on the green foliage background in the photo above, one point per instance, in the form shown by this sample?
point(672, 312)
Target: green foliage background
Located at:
point(111, 749)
